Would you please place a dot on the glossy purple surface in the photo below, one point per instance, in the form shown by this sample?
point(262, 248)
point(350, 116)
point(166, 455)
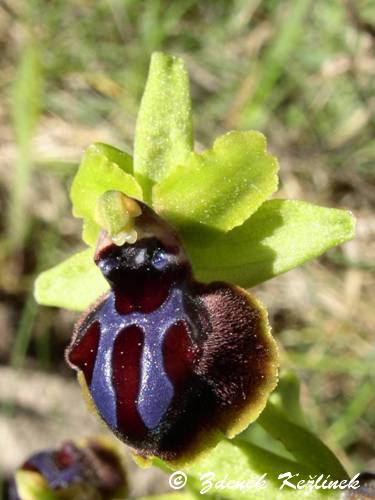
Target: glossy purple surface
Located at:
point(155, 387)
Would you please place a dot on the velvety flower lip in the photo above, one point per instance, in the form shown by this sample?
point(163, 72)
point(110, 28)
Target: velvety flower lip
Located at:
point(168, 361)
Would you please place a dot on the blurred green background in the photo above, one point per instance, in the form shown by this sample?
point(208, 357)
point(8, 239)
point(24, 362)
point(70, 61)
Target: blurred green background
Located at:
point(301, 71)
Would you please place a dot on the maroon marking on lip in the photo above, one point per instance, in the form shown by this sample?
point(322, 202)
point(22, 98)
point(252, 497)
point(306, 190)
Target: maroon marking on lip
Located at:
point(178, 353)
point(143, 294)
point(83, 354)
point(126, 363)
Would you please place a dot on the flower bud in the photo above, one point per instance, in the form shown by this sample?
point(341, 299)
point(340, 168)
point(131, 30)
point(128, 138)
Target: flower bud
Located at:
point(89, 470)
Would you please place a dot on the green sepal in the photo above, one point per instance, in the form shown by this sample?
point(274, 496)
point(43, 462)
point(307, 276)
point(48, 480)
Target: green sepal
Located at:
point(164, 130)
point(281, 235)
point(74, 284)
point(220, 188)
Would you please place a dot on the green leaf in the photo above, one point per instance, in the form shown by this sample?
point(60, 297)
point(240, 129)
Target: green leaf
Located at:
point(281, 235)
point(164, 130)
point(305, 446)
point(220, 188)
point(102, 168)
point(237, 460)
point(74, 284)
point(287, 397)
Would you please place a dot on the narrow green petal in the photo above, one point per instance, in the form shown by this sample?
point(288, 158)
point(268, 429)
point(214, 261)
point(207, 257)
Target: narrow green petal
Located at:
point(281, 235)
point(122, 159)
point(164, 130)
point(74, 284)
point(102, 168)
point(220, 188)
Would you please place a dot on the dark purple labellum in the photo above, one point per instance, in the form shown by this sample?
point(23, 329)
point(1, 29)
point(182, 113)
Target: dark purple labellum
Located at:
point(167, 360)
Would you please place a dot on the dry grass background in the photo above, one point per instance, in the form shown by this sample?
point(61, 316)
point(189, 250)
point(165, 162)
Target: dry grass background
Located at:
point(301, 71)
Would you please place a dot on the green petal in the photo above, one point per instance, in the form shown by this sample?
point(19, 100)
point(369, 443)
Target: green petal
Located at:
point(220, 188)
point(164, 131)
point(122, 159)
point(281, 235)
point(102, 168)
point(74, 284)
